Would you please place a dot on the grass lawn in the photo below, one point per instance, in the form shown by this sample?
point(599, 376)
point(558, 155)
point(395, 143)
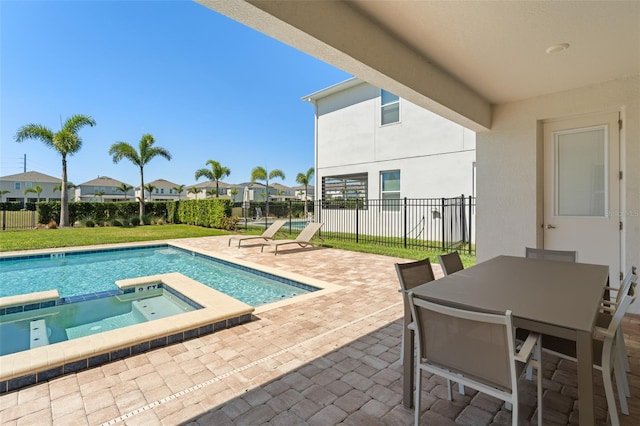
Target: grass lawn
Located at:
point(69, 237)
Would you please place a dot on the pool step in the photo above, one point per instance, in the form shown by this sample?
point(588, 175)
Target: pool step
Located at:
point(38, 335)
point(154, 308)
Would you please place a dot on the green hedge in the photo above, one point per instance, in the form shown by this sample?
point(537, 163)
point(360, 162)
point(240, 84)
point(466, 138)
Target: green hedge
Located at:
point(211, 212)
point(14, 206)
point(100, 212)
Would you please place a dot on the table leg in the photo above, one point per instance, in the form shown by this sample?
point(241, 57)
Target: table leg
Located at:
point(584, 347)
point(407, 361)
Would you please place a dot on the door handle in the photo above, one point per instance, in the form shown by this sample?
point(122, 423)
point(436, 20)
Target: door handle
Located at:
point(551, 227)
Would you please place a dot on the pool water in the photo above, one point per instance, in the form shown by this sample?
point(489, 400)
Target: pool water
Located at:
point(40, 327)
point(74, 274)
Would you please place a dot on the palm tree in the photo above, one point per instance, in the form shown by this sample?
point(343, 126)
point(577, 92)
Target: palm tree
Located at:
point(179, 190)
point(194, 190)
point(304, 179)
point(2, 192)
point(58, 187)
point(149, 188)
point(260, 173)
point(124, 188)
point(99, 194)
point(217, 172)
point(35, 190)
point(146, 152)
point(233, 192)
point(66, 141)
point(212, 192)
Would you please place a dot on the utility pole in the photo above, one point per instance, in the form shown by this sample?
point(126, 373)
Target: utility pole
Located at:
point(24, 164)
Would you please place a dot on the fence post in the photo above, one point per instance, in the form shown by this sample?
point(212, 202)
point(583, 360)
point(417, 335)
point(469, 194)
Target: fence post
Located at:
point(357, 224)
point(4, 220)
point(290, 216)
point(442, 223)
point(470, 223)
point(463, 222)
point(405, 222)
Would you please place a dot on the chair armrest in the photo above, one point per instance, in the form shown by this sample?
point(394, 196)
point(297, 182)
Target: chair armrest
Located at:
point(526, 349)
point(412, 326)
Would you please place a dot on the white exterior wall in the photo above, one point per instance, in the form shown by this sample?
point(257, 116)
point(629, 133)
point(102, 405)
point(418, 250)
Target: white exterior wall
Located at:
point(435, 156)
point(509, 176)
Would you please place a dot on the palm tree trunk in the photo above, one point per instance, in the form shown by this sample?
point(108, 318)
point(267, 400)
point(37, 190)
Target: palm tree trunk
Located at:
point(141, 199)
point(216, 188)
point(64, 196)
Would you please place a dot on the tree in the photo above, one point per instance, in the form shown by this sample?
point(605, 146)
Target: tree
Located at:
point(146, 152)
point(216, 173)
point(305, 179)
point(211, 192)
point(194, 190)
point(2, 192)
point(260, 173)
point(66, 141)
point(233, 192)
point(149, 188)
point(35, 190)
point(179, 190)
point(99, 194)
point(58, 187)
point(124, 188)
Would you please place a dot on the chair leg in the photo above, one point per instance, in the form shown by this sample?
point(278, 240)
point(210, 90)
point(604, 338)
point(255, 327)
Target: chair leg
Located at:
point(417, 395)
point(529, 373)
point(622, 350)
point(449, 394)
point(538, 357)
point(608, 388)
point(620, 383)
point(402, 347)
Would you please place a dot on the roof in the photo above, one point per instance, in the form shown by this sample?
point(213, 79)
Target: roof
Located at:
point(163, 183)
point(301, 187)
point(31, 177)
point(102, 181)
point(211, 184)
point(459, 59)
point(339, 87)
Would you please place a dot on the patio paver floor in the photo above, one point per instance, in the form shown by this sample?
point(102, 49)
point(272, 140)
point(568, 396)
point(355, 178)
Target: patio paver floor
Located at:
point(328, 360)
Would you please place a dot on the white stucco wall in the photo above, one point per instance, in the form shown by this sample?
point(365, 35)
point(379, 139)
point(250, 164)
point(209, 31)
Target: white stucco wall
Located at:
point(509, 181)
point(435, 155)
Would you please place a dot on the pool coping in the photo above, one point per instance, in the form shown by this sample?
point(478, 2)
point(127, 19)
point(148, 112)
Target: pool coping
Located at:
point(219, 311)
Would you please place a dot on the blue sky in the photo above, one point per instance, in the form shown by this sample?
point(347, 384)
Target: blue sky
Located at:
point(205, 86)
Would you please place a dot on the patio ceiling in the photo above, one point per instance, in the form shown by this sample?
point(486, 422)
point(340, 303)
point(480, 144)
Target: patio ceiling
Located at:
point(457, 58)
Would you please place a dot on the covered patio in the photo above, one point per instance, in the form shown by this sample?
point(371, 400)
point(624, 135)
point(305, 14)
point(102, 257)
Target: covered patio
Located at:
point(323, 361)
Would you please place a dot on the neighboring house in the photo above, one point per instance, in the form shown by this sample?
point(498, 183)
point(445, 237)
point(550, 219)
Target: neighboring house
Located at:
point(299, 192)
point(102, 184)
point(16, 185)
point(279, 192)
point(371, 144)
point(207, 190)
point(530, 89)
point(163, 191)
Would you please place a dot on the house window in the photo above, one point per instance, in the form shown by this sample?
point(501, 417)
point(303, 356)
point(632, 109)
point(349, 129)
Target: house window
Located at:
point(17, 186)
point(390, 189)
point(345, 191)
point(389, 108)
point(28, 184)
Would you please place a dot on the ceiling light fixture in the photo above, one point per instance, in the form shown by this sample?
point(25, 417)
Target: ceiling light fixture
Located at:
point(560, 47)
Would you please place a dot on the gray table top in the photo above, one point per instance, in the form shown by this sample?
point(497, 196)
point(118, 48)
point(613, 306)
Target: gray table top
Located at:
point(556, 293)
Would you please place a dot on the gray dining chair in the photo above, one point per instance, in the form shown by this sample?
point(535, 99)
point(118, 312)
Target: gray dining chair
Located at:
point(544, 254)
point(473, 348)
point(411, 275)
point(605, 353)
point(450, 263)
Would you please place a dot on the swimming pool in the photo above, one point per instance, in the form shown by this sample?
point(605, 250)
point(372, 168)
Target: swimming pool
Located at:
point(79, 273)
point(34, 328)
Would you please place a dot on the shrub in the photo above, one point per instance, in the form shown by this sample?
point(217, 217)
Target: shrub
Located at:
point(159, 221)
point(146, 219)
point(52, 225)
point(116, 222)
point(135, 221)
point(89, 223)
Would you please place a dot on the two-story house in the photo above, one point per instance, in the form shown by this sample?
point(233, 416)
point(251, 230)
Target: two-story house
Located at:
point(17, 184)
point(103, 188)
point(163, 190)
point(371, 144)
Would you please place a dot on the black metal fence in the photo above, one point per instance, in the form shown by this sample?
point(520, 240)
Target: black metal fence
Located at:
point(445, 224)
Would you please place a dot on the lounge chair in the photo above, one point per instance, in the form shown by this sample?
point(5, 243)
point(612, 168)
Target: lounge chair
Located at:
point(268, 233)
point(302, 239)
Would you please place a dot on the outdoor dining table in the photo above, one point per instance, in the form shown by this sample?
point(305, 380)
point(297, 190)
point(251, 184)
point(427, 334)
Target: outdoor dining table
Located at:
point(550, 297)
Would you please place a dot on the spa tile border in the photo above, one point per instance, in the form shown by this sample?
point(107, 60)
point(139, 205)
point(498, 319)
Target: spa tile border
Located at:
point(17, 383)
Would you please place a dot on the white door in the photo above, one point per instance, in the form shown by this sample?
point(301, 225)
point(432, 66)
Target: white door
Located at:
point(582, 189)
